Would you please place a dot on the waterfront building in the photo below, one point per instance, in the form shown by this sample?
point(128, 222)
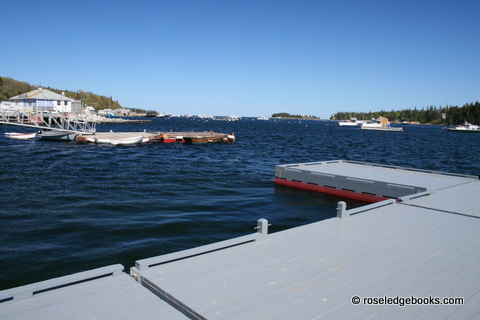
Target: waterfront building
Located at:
point(46, 101)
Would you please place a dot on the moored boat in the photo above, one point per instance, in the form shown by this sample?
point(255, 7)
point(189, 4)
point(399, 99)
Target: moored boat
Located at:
point(20, 136)
point(380, 125)
point(371, 124)
point(351, 122)
point(229, 138)
point(466, 127)
point(127, 141)
point(100, 140)
point(55, 135)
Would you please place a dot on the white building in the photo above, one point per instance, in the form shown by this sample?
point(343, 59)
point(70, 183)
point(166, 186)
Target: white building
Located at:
point(43, 100)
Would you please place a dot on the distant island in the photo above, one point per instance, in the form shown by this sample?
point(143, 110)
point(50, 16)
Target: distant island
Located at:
point(285, 115)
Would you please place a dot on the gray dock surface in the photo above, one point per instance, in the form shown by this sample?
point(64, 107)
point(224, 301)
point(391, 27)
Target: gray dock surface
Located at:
point(313, 271)
point(113, 296)
point(421, 245)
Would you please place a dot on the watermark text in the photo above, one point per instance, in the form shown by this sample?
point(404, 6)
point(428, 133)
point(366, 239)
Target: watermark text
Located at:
point(406, 301)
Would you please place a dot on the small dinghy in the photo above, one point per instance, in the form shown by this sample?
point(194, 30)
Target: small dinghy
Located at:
point(125, 141)
point(56, 135)
point(102, 141)
point(20, 136)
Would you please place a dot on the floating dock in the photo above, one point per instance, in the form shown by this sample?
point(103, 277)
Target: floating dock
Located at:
point(162, 137)
point(104, 293)
point(415, 256)
point(364, 181)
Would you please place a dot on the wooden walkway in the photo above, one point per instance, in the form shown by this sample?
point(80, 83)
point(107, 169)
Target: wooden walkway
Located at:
point(425, 245)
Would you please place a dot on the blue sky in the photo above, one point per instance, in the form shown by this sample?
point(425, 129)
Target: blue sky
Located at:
point(249, 58)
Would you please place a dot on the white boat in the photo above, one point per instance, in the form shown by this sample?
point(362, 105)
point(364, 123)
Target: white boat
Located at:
point(228, 119)
point(466, 127)
point(263, 118)
point(107, 141)
point(381, 125)
point(124, 141)
point(351, 122)
point(20, 136)
point(371, 124)
point(55, 135)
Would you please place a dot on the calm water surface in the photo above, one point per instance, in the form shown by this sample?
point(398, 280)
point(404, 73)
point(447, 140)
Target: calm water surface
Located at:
point(69, 207)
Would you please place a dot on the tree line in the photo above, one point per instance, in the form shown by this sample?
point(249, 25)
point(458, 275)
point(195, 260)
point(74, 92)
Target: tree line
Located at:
point(11, 88)
point(292, 116)
point(448, 115)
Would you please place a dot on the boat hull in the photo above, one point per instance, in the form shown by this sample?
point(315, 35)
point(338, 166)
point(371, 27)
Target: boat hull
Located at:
point(56, 136)
point(20, 136)
point(466, 127)
point(383, 128)
point(127, 141)
point(348, 124)
point(463, 130)
point(460, 130)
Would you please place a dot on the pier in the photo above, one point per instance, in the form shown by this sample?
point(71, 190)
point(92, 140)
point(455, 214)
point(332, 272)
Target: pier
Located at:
point(417, 249)
point(74, 123)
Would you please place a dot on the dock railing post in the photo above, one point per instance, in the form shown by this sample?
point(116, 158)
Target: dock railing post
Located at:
point(262, 227)
point(342, 210)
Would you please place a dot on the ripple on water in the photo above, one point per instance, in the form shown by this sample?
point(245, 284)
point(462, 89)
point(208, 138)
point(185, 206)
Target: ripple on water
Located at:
point(70, 207)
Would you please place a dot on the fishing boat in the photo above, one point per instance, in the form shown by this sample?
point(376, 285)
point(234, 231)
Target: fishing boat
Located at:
point(380, 125)
point(127, 141)
point(351, 122)
point(466, 127)
point(55, 135)
point(371, 124)
point(20, 136)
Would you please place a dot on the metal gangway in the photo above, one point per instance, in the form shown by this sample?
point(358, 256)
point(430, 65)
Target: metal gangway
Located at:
point(80, 123)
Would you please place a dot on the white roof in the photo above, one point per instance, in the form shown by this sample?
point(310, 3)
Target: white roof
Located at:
point(41, 94)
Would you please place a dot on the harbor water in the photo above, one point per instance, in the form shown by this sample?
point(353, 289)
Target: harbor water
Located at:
point(68, 207)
